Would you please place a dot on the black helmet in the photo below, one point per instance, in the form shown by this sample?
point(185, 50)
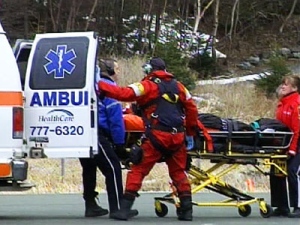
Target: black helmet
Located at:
point(107, 66)
point(157, 63)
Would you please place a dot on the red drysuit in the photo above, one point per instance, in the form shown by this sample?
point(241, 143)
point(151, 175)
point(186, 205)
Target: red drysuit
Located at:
point(143, 93)
point(288, 113)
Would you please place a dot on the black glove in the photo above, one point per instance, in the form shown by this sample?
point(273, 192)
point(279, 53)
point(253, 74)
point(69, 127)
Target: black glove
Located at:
point(101, 95)
point(121, 151)
point(136, 154)
point(188, 163)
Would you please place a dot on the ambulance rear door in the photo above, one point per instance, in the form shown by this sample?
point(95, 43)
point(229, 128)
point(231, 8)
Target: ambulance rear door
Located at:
point(60, 100)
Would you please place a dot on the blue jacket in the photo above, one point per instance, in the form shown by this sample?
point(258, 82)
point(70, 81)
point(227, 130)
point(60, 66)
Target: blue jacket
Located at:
point(110, 116)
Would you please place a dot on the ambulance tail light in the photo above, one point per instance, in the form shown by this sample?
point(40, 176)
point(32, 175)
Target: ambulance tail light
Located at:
point(17, 123)
point(5, 170)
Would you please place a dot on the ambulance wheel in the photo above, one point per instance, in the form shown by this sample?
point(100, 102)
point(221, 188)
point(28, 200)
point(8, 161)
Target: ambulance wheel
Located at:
point(244, 210)
point(161, 210)
point(266, 213)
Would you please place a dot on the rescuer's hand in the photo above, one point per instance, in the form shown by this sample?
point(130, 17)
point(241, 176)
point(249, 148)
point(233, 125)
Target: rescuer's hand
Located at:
point(121, 151)
point(291, 153)
point(189, 142)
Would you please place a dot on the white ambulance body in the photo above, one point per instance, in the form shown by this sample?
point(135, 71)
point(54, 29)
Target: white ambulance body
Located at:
point(13, 167)
point(60, 110)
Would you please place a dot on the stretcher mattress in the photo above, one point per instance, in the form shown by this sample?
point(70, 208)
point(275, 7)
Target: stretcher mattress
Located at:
point(246, 142)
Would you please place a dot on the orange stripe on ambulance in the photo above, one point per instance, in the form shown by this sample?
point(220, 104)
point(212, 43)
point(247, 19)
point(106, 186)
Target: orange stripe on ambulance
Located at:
point(10, 98)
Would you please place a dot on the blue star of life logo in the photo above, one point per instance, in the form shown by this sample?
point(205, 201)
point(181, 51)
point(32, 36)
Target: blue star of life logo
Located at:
point(60, 62)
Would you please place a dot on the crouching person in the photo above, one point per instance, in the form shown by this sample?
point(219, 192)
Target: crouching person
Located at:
point(165, 103)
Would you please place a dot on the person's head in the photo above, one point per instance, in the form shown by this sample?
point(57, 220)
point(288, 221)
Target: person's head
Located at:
point(289, 84)
point(109, 68)
point(154, 64)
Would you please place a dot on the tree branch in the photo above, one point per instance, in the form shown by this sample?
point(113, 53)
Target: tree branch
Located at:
point(287, 18)
point(232, 19)
point(90, 15)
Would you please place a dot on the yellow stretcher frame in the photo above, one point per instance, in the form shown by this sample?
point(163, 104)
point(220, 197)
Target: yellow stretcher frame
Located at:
point(212, 180)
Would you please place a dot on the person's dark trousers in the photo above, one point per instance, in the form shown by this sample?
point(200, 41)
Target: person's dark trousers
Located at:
point(92, 209)
point(278, 189)
point(278, 185)
point(109, 164)
point(293, 165)
point(89, 170)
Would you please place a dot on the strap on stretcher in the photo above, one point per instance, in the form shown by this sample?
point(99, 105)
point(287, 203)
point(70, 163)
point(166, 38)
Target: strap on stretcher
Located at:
point(207, 137)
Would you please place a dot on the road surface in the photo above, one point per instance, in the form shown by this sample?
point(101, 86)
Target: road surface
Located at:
point(67, 209)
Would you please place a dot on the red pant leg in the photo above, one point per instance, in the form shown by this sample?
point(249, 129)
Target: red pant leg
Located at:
point(138, 172)
point(176, 165)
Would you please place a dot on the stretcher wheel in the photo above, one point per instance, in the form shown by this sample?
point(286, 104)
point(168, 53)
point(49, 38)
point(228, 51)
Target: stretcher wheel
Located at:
point(244, 210)
point(267, 212)
point(161, 209)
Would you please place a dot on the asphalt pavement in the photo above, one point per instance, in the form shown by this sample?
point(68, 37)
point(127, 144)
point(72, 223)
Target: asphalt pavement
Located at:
point(64, 209)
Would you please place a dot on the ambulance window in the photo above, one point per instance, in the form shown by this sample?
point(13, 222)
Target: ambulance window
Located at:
point(22, 61)
point(59, 63)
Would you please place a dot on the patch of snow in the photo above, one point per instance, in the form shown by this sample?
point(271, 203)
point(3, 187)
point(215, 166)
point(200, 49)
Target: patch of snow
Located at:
point(251, 77)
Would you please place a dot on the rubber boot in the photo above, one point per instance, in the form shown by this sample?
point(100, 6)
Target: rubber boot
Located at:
point(92, 209)
point(125, 211)
point(280, 211)
point(132, 213)
point(185, 211)
point(295, 213)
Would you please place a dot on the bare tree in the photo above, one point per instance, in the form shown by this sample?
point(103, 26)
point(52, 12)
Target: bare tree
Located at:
point(26, 20)
point(198, 15)
point(232, 23)
point(54, 10)
point(91, 15)
point(159, 13)
point(215, 29)
point(289, 15)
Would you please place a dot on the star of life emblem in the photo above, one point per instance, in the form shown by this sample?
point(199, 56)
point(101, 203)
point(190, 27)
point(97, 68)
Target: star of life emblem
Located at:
point(60, 61)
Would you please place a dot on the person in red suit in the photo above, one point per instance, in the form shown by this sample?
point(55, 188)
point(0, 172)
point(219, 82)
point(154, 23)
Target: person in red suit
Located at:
point(165, 105)
point(288, 112)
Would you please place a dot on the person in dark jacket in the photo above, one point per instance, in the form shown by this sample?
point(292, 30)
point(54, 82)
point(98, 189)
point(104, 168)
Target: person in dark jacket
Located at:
point(288, 112)
point(165, 104)
point(111, 133)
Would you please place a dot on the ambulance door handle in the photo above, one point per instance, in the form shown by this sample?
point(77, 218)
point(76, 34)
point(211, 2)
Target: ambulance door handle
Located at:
point(93, 101)
point(92, 118)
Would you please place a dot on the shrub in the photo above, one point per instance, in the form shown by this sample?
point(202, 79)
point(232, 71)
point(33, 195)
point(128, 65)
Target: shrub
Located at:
point(176, 63)
point(204, 65)
point(279, 69)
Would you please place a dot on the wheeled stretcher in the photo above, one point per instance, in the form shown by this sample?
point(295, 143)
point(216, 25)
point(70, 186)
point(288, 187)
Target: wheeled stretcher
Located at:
point(227, 151)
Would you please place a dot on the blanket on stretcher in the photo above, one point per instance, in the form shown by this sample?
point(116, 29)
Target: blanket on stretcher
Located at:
point(218, 135)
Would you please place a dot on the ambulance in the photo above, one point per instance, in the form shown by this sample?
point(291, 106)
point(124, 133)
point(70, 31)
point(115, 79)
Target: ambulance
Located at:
point(60, 108)
point(13, 166)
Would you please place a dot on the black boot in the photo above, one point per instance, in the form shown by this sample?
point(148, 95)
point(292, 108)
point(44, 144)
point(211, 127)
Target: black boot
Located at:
point(132, 213)
point(295, 213)
point(92, 209)
point(125, 211)
point(185, 211)
point(281, 211)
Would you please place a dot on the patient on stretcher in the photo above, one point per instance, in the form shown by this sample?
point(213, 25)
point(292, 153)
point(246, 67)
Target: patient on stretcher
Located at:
point(261, 136)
